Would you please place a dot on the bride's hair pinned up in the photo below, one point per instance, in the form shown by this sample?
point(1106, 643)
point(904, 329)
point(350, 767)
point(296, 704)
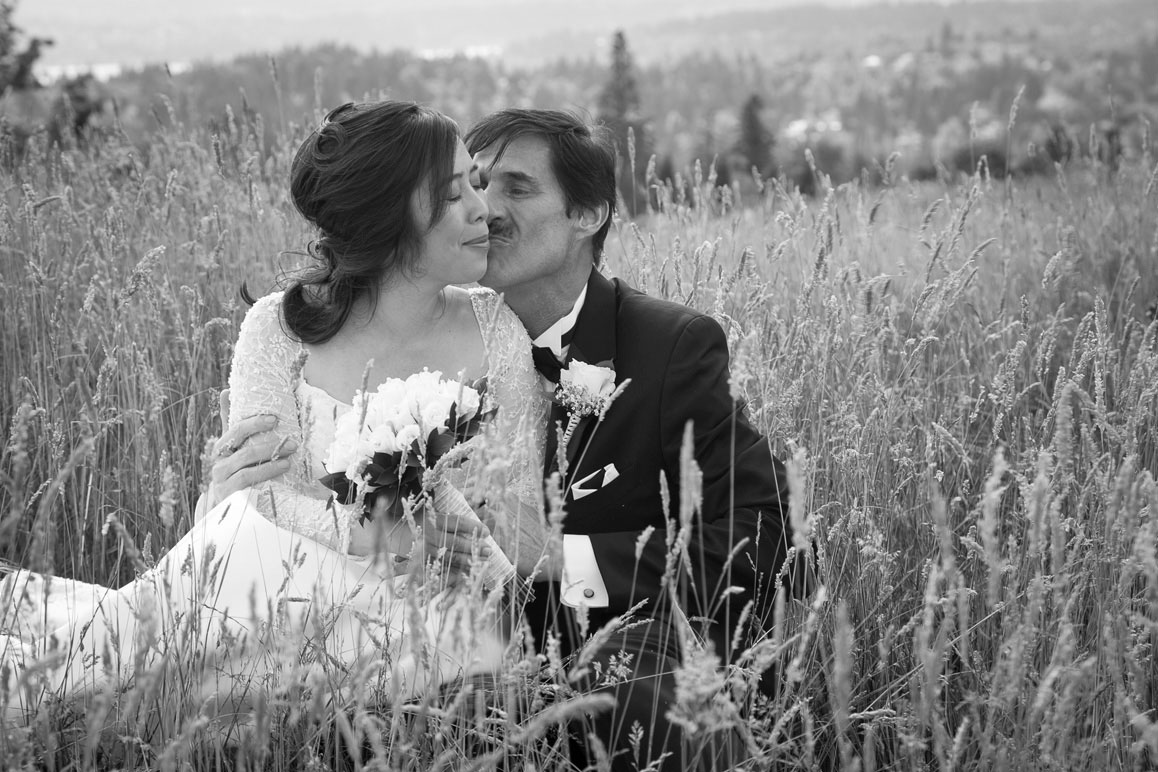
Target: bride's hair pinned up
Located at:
point(354, 178)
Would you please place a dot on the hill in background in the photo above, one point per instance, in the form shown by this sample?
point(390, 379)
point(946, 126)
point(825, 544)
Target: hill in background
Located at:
point(522, 32)
point(854, 85)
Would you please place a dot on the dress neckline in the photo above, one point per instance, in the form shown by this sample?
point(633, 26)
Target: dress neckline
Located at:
point(478, 299)
point(319, 391)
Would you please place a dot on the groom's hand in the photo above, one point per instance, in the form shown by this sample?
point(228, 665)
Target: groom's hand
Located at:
point(246, 454)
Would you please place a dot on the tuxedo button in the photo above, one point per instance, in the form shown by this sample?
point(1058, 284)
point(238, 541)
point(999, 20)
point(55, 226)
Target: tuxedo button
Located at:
point(589, 593)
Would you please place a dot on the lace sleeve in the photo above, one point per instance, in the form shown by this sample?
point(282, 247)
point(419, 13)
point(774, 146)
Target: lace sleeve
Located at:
point(521, 421)
point(264, 379)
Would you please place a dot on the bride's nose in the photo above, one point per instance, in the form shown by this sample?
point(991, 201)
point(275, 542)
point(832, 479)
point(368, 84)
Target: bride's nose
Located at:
point(478, 205)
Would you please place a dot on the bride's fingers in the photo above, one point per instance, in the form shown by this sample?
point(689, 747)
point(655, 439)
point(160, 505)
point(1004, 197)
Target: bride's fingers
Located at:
point(255, 453)
point(254, 463)
point(250, 476)
point(456, 526)
point(241, 433)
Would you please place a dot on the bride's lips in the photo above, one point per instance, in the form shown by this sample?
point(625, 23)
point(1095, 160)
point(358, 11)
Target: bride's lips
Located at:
point(482, 242)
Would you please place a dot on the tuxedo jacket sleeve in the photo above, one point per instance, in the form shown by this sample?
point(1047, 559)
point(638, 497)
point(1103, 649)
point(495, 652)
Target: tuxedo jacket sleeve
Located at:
point(678, 363)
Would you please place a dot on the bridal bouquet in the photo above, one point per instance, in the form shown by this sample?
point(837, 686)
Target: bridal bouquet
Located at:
point(383, 447)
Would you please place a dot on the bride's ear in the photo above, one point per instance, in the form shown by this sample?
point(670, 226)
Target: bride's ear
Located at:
point(591, 219)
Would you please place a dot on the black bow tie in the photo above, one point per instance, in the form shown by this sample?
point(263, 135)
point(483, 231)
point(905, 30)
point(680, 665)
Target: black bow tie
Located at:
point(546, 363)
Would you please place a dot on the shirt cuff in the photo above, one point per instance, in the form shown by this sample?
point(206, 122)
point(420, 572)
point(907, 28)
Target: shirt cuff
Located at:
point(582, 583)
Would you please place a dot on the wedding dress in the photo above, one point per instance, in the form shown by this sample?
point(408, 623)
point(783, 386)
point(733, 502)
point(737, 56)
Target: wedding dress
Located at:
point(263, 588)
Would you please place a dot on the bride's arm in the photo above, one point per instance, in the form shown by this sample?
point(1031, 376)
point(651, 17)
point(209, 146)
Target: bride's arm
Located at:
point(259, 418)
point(263, 381)
point(265, 371)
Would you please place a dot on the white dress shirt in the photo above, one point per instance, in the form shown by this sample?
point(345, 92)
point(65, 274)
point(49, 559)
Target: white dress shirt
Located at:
point(582, 584)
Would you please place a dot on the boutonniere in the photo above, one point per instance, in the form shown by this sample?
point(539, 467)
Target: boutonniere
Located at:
point(586, 391)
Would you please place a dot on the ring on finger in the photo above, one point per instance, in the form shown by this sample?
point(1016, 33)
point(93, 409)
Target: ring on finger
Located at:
point(225, 450)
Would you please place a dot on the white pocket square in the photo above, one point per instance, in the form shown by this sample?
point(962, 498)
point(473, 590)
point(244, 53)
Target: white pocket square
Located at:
point(609, 474)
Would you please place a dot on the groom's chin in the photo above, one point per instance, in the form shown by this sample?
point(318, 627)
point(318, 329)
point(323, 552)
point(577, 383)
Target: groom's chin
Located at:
point(492, 276)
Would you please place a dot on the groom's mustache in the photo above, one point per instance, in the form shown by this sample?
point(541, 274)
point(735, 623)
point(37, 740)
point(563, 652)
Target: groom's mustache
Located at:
point(500, 230)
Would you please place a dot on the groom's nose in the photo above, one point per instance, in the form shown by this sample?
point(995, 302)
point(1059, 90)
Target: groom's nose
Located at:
point(496, 219)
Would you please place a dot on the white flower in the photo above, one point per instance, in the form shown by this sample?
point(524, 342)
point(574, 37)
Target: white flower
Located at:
point(468, 402)
point(597, 380)
point(407, 435)
point(586, 389)
point(433, 410)
point(393, 416)
point(382, 438)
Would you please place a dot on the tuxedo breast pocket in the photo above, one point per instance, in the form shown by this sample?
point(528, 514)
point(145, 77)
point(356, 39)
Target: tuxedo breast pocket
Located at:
point(599, 480)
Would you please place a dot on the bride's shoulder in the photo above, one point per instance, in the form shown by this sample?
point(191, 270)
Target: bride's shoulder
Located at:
point(267, 304)
point(266, 307)
point(264, 317)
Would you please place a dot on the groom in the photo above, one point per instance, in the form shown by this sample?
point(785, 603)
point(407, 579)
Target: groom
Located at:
point(550, 186)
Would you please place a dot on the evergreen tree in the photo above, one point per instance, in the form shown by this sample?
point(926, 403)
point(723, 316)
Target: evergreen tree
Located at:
point(619, 109)
point(619, 100)
point(756, 141)
point(16, 65)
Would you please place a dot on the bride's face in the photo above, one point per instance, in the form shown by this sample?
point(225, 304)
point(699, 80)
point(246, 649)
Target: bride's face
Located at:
point(454, 249)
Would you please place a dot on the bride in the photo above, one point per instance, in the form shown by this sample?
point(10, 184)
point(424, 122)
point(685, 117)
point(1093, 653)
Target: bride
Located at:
point(276, 576)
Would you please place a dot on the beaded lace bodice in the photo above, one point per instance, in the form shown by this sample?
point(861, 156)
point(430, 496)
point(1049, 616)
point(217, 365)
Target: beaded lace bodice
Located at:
point(266, 378)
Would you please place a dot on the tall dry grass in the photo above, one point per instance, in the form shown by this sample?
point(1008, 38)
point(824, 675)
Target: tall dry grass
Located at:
point(962, 376)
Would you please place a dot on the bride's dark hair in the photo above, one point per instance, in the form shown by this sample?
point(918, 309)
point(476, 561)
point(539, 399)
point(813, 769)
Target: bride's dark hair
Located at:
point(354, 178)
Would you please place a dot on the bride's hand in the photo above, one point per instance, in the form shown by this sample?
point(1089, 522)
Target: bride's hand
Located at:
point(246, 454)
point(526, 537)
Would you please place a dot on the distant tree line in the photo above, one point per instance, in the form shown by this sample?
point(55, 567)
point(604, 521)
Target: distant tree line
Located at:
point(61, 112)
point(944, 108)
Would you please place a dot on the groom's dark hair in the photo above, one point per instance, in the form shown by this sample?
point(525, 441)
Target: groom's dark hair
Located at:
point(583, 155)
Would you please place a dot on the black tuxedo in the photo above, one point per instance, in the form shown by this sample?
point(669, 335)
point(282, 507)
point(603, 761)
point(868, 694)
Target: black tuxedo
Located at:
point(677, 360)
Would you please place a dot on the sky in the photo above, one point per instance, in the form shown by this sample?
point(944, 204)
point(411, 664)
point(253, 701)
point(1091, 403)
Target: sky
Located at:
point(134, 32)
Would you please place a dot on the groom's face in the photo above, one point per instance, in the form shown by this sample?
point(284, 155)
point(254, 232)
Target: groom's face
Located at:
point(532, 238)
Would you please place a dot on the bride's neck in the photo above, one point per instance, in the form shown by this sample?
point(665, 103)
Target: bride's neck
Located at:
point(403, 312)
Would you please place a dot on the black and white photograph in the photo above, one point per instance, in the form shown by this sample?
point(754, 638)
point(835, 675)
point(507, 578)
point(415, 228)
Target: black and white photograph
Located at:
point(545, 386)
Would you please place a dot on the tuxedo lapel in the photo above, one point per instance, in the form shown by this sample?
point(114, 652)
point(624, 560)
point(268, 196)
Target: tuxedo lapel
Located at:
point(594, 338)
point(593, 342)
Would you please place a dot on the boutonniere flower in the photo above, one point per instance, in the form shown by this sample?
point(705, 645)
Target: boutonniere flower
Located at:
point(585, 389)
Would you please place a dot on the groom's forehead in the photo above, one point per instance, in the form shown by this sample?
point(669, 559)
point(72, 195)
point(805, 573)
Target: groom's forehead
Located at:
point(527, 153)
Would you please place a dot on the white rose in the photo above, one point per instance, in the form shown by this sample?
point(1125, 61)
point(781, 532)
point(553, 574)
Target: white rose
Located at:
point(383, 439)
point(425, 382)
point(407, 435)
point(468, 403)
point(343, 451)
point(599, 381)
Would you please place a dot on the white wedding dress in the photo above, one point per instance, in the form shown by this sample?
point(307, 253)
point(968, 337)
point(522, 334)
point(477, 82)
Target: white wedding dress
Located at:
point(263, 590)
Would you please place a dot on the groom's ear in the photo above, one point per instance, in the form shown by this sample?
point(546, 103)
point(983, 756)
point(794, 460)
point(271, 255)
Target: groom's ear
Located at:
point(591, 219)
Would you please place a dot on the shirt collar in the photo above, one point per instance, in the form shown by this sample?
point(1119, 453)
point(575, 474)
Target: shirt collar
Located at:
point(552, 337)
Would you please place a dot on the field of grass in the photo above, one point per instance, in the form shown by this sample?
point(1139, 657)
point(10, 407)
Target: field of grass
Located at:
point(964, 377)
